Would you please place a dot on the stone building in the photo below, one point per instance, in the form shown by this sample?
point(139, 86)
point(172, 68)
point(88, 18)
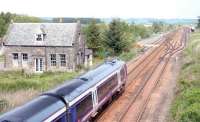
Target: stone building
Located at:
point(38, 47)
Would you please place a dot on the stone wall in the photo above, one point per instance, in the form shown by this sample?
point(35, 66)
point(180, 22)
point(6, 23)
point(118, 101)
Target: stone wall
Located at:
point(39, 52)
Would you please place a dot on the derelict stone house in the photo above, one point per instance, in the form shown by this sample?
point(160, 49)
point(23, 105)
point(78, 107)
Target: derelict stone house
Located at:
point(38, 47)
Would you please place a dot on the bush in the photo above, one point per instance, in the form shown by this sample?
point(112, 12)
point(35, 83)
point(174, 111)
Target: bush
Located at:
point(187, 107)
point(126, 56)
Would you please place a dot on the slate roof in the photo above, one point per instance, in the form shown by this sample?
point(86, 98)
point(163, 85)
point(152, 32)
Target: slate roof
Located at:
point(57, 34)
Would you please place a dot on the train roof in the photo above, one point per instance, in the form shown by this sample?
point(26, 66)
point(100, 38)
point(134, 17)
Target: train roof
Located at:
point(74, 88)
point(36, 110)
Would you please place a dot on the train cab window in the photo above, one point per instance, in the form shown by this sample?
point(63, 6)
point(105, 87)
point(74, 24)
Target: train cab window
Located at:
point(84, 106)
point(108, 85)
point(122, 74)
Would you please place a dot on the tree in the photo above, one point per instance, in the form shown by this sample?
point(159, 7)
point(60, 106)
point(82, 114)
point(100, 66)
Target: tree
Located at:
point(118, 36)
point(26, 19)
point(157, 26)
point(93, 37)
point(141, 31)
point(5, 19)
point(198, 23)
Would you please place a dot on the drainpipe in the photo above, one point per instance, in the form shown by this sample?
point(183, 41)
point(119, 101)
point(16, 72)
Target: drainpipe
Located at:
point(45, 58)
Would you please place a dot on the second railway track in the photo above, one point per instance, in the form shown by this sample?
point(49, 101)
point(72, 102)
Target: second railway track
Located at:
point(139, 78)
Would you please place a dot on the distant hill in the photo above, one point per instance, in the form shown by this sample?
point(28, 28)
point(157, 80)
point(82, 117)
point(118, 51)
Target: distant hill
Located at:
point(130, 20)
point(70, 20)
point(151, 20)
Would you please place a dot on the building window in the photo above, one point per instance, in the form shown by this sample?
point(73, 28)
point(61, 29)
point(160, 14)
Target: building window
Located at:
point(62, 60)
point(39, 37)
point(53, 59)
point(15, 56)
point(24, 56)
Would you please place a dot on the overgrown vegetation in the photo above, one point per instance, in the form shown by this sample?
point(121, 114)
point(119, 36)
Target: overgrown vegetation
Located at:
point(1, 58)
point(118, 37)
point(93, 37)
point(186, 107)
point(140, 31)
point(12, 81)
point(126, 56)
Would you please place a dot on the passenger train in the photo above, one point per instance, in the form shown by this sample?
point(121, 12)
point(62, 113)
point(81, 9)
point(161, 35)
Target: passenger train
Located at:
point(77, 100)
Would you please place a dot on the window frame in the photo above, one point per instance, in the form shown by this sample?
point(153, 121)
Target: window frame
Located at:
point(25, 58)
point(63, 61)
point(15, 56)
point(106, 87)
point(39, 37)
point(85, 111)
point(53, 60)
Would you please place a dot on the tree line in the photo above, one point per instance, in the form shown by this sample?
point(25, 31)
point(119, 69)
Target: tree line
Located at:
point(118, 36)
point(73, 20)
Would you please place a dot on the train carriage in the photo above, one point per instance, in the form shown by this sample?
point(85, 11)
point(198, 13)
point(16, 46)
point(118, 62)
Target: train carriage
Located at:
point(77, 100)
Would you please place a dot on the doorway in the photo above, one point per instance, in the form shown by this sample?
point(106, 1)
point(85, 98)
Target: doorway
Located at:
point(39, 64)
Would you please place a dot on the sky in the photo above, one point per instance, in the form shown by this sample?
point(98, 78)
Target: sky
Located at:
point(104, 8)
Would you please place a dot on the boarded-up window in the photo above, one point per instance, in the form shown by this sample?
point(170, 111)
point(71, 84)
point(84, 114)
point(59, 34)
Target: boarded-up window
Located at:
point(53, 59)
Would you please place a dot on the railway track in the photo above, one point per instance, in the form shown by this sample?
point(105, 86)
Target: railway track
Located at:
point(172, 49)
point(140, 77)
point(176, 48)
point(147, 80)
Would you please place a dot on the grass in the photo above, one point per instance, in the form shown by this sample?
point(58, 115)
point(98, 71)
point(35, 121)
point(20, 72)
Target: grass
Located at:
point(1, 58)
point(186, 106)
point(12, 81)
point(16, 87)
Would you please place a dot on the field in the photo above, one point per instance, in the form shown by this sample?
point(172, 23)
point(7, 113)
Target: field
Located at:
point(186, 106)
point(17, 80)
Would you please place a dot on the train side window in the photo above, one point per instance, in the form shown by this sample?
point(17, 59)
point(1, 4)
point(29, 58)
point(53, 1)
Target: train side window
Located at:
point(84, 106)
point(104, 89)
